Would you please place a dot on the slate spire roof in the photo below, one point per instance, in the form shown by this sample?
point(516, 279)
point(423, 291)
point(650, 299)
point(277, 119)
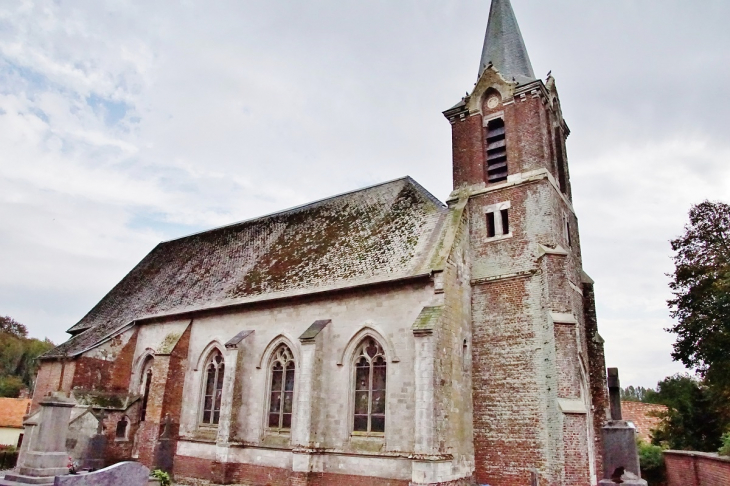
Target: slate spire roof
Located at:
point(381, 233)
point(504, 47)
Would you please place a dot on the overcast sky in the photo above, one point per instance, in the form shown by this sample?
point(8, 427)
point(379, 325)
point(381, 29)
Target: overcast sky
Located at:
point(123, 124)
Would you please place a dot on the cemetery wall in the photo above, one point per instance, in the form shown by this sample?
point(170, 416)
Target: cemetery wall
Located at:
point(685, 468)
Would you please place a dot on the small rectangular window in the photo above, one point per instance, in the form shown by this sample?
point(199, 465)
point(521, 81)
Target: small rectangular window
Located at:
point(505, 221)
point(490, 225)
point(560, 160)
point(567, 229)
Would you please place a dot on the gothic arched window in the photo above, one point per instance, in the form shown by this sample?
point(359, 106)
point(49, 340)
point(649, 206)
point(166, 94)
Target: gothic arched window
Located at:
point(370, 368)
point(144, 385)
point(281, 398)
point(122, 427)
point(213, 390)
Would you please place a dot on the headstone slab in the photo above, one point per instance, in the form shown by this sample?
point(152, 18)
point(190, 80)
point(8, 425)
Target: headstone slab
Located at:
point(619, 450)
point(95, 453)
point(165, 455)
point(120, 474)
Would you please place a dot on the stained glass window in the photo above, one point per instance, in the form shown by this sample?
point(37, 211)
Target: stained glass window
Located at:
point(281, 400)
point(370, 378)
point(213, 391)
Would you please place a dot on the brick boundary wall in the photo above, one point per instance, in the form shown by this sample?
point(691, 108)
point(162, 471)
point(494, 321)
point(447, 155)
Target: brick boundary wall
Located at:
point(686, 468)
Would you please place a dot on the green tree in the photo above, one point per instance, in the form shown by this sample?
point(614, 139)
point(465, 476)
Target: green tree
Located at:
point(693, 420)
point(10, 386)
point(638, 394)
point(701, 288)
point(651, 460)
point(11, 326)
point(18, 357)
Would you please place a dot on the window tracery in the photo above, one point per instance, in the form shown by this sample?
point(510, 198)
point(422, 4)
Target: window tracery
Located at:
point(281, 396)
point(213, 390)
point(370, 378)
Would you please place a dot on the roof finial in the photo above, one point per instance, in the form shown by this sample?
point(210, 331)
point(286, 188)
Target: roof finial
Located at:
point(504, 47)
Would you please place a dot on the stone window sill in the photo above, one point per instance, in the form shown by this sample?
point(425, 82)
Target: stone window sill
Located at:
point(368, 435)
point(498, 237)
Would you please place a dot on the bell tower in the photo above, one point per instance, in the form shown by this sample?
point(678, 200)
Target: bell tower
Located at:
point(538, 377)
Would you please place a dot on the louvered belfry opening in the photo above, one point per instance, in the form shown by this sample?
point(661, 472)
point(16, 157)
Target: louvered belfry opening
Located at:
point(496, 151)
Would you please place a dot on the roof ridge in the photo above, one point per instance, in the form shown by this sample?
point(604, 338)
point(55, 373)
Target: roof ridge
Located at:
point(406, 178)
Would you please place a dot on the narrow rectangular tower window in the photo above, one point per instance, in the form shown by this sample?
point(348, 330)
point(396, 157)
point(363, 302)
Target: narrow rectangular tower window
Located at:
point(505, 221)
point(496, 151)
point(491, 231)
point(560, 160)
point(567, 230)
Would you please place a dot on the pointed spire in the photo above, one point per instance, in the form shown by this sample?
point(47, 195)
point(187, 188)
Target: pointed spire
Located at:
point(503, 45)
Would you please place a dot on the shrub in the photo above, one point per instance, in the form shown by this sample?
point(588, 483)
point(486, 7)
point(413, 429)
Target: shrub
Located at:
point(725, 447)
point(651, 458)
point(162, 476)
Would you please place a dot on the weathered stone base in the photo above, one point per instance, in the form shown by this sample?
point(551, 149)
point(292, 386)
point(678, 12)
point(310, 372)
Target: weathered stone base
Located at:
point(18, 479)
point(193, 471)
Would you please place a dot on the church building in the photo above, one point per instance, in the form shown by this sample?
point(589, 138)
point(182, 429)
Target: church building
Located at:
point(379, 337)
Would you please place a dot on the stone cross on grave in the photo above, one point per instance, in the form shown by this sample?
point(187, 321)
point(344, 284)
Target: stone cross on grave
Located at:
point(167, 429)
point(614, 394)
point(100, 416)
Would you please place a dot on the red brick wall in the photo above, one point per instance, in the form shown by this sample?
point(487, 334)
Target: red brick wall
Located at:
point(566, 349)
point(165, 397)
point(508, 416)
point(696, 469)
point(643, 415)
point(467, 143)
point(576, 449)
point(234, 473)
point(50, 375)
point(596, 370)
point(110, 375)
point(174, 385)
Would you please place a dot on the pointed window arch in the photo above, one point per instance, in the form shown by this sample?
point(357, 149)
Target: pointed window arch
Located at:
point(145, 381)
point(212, 389)
point(122, 429)
point(370, 377)
point(281, 396)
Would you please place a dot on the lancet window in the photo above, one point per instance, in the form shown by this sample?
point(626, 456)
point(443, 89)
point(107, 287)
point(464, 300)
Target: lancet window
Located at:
point(370, 376)
point(144, 386)
point(281, 398)
point(213, 389)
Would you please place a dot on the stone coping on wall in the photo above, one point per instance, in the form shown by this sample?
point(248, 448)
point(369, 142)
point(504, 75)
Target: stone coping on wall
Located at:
point(705, 455)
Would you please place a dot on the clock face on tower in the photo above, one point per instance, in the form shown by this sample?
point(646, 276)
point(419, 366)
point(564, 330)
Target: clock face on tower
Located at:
point(492, 102)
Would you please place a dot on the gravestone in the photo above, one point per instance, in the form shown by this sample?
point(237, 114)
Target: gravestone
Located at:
point(96, 448)
point(45, 455)
point(620, 457)
point(165, 452)
point(120, 474)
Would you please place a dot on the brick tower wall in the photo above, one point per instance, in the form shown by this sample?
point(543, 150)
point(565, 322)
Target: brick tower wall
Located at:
point(535, 375)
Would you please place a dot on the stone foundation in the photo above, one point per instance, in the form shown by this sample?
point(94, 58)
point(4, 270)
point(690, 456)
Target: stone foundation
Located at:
point(194, 471)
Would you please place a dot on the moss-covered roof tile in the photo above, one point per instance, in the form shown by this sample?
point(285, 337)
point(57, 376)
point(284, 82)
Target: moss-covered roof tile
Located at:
point(378, 233)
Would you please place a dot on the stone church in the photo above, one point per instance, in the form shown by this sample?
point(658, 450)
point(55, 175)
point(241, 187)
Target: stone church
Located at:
point(378, 337)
